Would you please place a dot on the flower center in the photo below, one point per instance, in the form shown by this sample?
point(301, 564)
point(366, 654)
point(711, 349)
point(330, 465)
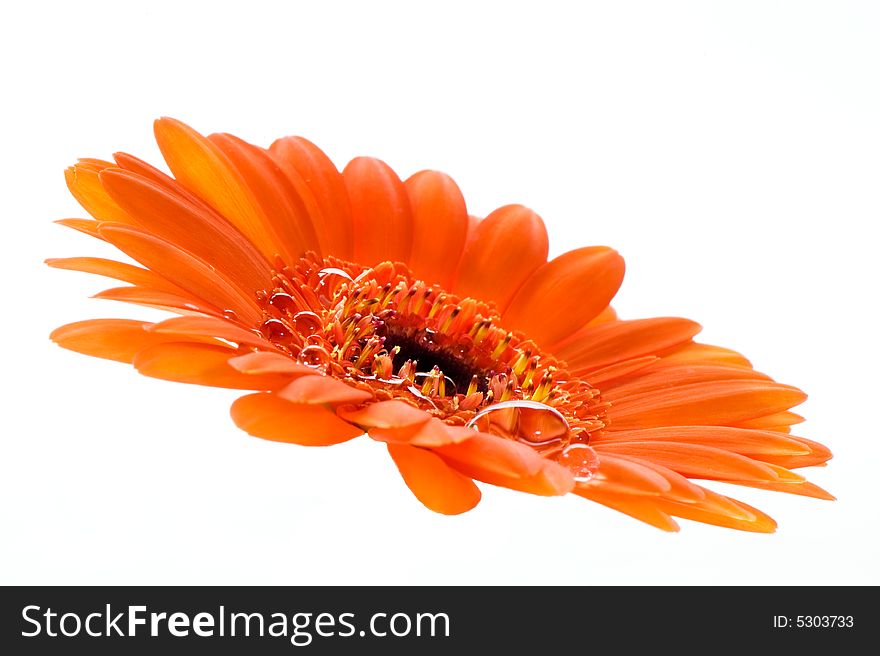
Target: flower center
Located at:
point(382, 330)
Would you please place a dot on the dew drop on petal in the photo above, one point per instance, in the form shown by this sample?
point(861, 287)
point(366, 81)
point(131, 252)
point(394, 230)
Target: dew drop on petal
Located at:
point(282, 301)
point(230, 314)
point(276, 331)
point(315, 357)
point(536, 424)
point(428, 338)
point(581, 460)
point(307, 323)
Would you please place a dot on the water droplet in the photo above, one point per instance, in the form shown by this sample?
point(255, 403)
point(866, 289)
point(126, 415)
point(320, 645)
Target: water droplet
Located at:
point(282, 301)
point(315, 357)
point(428, 338)
point(230, 314)
point(276, 331)
point(307, 323)
point(581, 460)
point(536, 424)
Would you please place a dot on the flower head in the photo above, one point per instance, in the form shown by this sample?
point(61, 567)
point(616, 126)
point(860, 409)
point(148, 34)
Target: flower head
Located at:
point(354, 302)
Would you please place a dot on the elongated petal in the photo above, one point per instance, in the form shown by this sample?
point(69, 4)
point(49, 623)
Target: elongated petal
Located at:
point(385, 414)
point(159, 299)
point(572, 288)
point(285, 210)
point(440, 223)
point(310, 171)
point(819, 455)
point(185, 270)
point(433, 482)
point(431, 433)
point(264, 362)
point(380, 212)
point(600, 345)
point(117, 270)
point(201, 364)
point(639, 507)
point(322, 389)
point(188, 226)
point(801, 488)
point(273, 418)
point(738, 440)
point(623, 476)
point(202, 168)
point(721, 511)
point(706, 354)
point(615, 372)
point(85, 226)
point(774, 422)
point(85, 185)
point(707, 404)
point(505, 463)
point(680, 488)
point(113, 339)
point(503, 250)
point(693, 460)
point(662, 377)
point(210, 327)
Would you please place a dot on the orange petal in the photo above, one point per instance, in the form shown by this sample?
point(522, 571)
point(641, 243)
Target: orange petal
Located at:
point(606, 315)
point(703, 404)
point(738, 440)
point(440, 223)
point(563, 295)
point(680, 488)
point(504, 249)
point(614, 372)
point(114, 339)
point(156, 298)
point(86, 226)
point(285, 210)
point(183, 269)
point(201, 364)
point(380, 212)
point(721, 511)
point(431, 433)
point(264, 362)
point(502, 462)
point(189, 226)
point(643, 508)
point(310, 171)
point(705, 354)
point(322, 389)
point(85, 185)
point(201, 167)
point(801, 488)
point(117, 270)
point(819, 454)
point(597, 346)
point(774, 422)
point(385, 414)
point(623, 476)
point(433, 482)
point(210, 327)
point(663, 376)
point(273, 418)
point(692, 460)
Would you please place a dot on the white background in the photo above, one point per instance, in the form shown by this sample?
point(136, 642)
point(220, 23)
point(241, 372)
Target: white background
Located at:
point(730, 151)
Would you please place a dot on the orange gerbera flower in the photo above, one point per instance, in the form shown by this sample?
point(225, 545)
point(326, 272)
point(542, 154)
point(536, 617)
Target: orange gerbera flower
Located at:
point(353, 303)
